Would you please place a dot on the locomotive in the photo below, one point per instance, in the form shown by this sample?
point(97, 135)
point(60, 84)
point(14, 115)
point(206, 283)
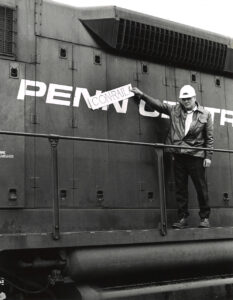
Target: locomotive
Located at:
point(87, 196)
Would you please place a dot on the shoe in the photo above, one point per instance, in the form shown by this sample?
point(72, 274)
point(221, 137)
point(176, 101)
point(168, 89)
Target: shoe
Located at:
point(182, 223)
point(204, 223)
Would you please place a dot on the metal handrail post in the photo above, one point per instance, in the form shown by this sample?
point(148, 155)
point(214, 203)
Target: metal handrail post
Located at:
point(162, 194)
point(56, 207)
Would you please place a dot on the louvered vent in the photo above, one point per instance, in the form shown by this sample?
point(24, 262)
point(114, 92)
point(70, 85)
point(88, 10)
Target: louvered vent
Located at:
point(170, 46)
point(161, 45)
point(6, 31)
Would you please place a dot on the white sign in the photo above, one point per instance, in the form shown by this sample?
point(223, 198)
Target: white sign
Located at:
point(110, 97)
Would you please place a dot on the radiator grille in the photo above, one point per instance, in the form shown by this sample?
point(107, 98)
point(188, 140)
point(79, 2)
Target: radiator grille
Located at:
point(6, 31)
point(170, 46)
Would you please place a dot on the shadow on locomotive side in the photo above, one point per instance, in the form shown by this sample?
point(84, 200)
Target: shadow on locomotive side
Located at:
point(88, 196)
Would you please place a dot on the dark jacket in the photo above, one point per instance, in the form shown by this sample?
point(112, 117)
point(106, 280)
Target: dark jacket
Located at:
point(200, 133)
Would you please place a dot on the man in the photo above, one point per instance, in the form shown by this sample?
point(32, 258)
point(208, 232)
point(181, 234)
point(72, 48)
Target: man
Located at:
point(190, 125)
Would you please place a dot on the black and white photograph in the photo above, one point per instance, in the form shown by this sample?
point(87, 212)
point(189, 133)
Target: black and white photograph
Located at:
point(116, 150)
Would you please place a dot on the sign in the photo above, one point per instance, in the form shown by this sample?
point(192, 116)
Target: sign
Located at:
point(110, 97)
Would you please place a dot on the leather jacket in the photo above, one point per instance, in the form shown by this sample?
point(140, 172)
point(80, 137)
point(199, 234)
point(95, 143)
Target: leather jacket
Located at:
point(200, 133)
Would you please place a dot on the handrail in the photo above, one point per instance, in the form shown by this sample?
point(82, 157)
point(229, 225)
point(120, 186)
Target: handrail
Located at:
point(159, 149)
point(109, 141)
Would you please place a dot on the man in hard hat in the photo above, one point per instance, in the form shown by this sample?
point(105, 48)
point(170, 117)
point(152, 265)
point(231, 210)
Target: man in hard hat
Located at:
point(190, 125)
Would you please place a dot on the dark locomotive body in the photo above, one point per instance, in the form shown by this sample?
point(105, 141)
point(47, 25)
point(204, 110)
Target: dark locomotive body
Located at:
point(106, 230)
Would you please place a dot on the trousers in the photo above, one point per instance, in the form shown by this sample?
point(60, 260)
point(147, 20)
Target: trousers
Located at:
point(185, 166)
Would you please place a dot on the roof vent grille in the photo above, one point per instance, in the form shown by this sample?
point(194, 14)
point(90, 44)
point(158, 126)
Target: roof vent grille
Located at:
point(170, 47)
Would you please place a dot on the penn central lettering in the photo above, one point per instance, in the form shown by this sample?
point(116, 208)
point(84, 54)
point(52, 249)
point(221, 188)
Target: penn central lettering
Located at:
point(61, 95)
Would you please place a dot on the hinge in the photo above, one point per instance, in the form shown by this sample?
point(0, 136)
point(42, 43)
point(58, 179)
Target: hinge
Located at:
point(175, 85)
point(136, 77)
point(36, 58)
point(165, 81)
point(38, 16)
point(73, 64)
point(34, 119)
point(74, 123)
point(141, 186)
point(200, 89)
point(74, 183)
point(35, 182)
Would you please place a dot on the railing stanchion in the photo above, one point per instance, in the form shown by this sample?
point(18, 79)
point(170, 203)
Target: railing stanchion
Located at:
point(56, 214)
point(162, 194)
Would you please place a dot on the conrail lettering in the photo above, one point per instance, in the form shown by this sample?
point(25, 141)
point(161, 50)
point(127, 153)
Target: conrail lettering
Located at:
point(66, 95)
point(110, 97)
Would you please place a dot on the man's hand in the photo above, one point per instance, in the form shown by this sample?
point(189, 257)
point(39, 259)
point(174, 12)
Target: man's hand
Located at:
point(206, 163)
point(137, 92)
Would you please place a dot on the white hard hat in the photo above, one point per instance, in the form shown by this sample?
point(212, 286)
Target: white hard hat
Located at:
point(187, 91)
